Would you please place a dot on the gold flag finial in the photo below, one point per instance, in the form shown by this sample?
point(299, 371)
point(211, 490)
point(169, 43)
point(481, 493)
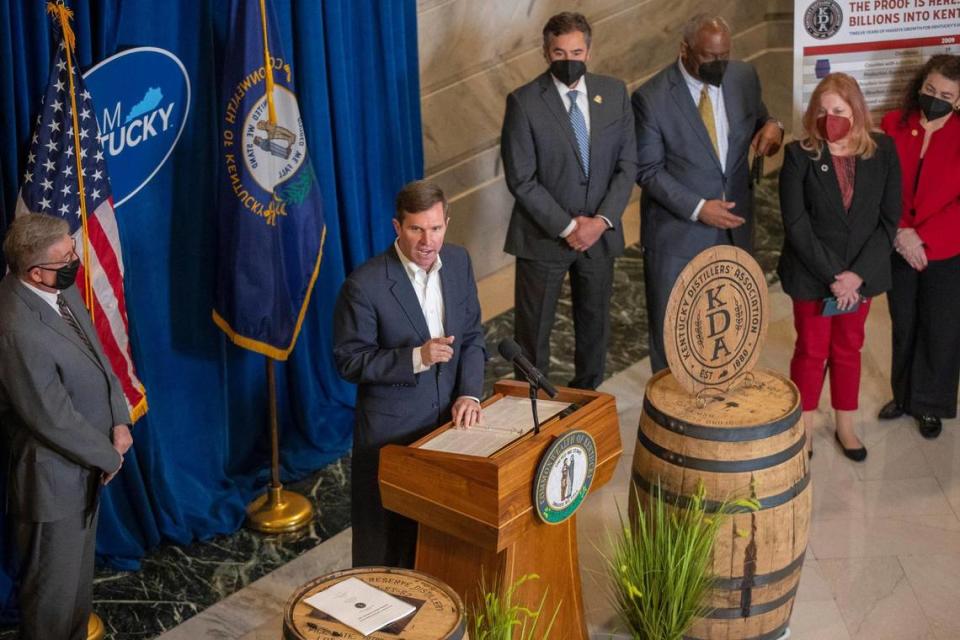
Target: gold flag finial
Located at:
point(63, 14)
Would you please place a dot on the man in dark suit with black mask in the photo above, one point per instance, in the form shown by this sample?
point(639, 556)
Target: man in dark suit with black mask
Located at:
point(696, 122)
point(569, 159)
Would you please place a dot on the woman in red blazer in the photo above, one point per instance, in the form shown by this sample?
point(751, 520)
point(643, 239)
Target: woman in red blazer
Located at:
point(925, 297)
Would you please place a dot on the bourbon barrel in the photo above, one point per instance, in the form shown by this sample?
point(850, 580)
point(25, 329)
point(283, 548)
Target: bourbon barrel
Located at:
point(747, 442)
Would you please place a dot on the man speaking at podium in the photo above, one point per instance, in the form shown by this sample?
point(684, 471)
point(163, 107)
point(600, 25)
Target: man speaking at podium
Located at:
point(407, 331)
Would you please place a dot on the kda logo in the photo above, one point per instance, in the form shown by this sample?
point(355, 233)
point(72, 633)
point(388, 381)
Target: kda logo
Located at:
point(142, 97)
point(823, 19)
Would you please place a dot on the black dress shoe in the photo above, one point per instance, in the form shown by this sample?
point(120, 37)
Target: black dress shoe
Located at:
point(857, 455)
point(891, 411)
point(930, 426)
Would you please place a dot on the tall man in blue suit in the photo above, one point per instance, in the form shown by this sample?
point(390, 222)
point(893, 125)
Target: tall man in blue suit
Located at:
point(569, 159)
point(407, 332)
point(696, 121)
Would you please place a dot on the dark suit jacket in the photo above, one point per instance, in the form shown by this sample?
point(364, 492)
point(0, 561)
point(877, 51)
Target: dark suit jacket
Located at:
point(58, 404)
point(541, 164)
point(377, 324)
point(933, 210)
point(821, 239)
point(678, 166)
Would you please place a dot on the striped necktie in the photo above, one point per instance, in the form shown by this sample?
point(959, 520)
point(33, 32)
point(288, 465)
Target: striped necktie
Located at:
point(579, 124)
point(706, 114)
point(70, 320)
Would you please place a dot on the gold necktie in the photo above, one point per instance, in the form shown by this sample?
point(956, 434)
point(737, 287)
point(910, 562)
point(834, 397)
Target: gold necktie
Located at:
point(706, 114)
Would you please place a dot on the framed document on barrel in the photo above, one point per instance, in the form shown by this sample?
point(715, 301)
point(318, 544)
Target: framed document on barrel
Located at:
point(503, 505)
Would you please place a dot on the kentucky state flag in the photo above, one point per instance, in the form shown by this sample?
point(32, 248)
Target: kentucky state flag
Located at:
point(271, 227)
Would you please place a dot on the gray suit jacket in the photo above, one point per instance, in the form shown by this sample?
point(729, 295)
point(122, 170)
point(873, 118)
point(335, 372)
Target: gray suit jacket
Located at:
point(678, 165)
point(58, 405)
point(378, 322)
point(541, 164)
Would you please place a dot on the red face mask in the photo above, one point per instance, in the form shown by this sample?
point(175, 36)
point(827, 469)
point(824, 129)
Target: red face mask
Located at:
point(832, 127)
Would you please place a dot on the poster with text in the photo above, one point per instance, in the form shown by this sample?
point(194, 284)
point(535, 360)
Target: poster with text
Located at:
point(881, 43)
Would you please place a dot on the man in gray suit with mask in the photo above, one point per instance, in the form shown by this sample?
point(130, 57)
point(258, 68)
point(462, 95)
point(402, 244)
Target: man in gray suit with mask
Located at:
point(696, 121)
point(569, 159)
point(65, 422)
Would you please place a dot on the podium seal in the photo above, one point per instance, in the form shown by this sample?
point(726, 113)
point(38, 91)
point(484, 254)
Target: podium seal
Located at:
point(564, 476)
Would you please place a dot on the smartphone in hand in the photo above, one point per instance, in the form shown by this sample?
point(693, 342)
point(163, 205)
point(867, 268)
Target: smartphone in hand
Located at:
point(831, 308)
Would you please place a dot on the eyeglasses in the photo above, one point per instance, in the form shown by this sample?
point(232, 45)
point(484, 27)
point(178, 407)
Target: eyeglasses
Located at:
point(53, 266)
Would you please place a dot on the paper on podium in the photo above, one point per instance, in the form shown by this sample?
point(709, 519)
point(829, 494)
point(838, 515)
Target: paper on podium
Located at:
point(500, 424)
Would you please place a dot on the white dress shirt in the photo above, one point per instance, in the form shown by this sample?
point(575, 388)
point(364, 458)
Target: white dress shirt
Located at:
point(719, 118)
point(47, 296)
point(426, 284)
point(583, 103)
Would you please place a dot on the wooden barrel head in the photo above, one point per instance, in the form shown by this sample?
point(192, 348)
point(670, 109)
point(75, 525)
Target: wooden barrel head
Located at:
point(769, 398)
point(716, 319)
point(439, 612)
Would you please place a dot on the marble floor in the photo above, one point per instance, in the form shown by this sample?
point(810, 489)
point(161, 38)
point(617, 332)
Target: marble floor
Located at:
point(884, 555)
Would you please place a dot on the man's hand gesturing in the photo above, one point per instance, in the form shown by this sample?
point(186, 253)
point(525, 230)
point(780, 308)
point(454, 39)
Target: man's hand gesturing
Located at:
point(437, 350)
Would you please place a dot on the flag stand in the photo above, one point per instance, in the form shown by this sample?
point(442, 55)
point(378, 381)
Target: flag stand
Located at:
point(95, 628)
point(277, 510)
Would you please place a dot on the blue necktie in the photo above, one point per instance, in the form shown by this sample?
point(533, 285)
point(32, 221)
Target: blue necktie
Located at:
point(579, 125)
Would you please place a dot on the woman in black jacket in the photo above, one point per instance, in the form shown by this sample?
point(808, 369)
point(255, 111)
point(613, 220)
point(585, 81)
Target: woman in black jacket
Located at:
point(840, 201)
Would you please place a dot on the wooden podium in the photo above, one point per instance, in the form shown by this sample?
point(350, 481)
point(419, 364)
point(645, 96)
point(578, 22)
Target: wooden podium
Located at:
point(477, 515)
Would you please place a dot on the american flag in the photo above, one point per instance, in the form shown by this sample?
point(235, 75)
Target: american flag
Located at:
point(51, 186)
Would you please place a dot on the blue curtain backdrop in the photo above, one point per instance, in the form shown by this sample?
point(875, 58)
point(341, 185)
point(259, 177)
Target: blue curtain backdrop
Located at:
point(202, 450)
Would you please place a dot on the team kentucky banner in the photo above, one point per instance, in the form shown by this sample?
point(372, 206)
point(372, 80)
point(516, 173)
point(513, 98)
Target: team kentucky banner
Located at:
point(271, 226)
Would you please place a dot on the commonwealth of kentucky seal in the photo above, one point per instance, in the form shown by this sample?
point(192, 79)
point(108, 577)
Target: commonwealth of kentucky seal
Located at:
point(564, 476)
point(264, 156)
point(823, 19)
point(274, 152)
point(716, 319)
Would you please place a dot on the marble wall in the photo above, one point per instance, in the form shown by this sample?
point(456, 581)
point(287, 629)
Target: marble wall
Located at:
point(474, 52)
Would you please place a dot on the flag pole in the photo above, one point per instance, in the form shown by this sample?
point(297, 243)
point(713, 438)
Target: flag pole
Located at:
point(278, 510)
point(63, 14)
point(96, 630)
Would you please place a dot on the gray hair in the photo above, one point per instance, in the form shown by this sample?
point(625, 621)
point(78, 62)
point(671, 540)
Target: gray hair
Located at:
point(694, 25)
point(29, 238)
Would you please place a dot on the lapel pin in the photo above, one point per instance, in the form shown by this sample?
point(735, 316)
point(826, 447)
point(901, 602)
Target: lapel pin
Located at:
point(824, 168)
point(598, 99)
point(914, 133)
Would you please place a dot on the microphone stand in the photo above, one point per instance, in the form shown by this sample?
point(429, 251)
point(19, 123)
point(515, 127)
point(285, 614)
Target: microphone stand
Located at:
point(534, 389)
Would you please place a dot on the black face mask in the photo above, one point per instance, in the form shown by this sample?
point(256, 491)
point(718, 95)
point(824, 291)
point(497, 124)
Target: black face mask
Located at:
point(934, 108)
point(568, 71)
point(712, 72)
point(66, 275)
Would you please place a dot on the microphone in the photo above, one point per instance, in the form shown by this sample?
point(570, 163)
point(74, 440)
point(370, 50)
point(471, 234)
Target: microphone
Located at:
point(512, 352)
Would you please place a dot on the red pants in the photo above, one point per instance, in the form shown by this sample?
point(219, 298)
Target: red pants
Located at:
point(827, 342)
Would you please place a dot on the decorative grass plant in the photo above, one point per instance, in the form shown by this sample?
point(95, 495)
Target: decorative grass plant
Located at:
point(659, 565)
point(498, 617)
